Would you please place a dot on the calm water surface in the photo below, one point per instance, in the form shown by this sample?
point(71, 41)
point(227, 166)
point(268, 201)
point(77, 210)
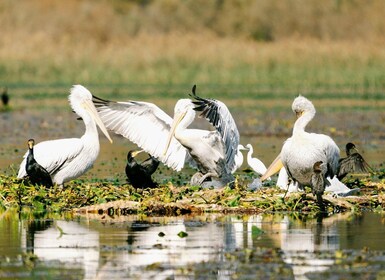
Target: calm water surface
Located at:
point(134, 247)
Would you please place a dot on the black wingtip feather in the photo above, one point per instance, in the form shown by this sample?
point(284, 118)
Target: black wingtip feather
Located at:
point(194, 89)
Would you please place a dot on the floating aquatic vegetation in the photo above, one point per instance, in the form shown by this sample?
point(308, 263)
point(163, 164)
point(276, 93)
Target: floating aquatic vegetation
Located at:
point(110, 198)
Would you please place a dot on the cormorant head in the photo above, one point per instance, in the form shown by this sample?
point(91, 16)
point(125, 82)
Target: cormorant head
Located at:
point(349, 148)
point(131, 154)
point(31, 143)
point(318, 167)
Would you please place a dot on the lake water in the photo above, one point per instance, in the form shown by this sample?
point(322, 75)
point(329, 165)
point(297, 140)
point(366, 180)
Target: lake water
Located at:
point(280, 246)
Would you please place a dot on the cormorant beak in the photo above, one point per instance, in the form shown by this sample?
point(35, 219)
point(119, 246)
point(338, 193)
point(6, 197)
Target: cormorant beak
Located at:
point(31, 143)
point(177, 119)
point(274, 167)
point(135, 153)
point(90, 107)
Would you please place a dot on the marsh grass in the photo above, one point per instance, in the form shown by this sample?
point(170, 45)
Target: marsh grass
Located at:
point(171, 64)
point(235, 47)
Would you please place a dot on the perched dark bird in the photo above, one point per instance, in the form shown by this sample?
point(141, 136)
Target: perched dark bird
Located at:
point(352, 163)
point(36, 173)
point(319, 182)
point(5, 96)
point(139, 175)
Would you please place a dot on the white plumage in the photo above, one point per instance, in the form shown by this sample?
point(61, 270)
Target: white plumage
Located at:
point(169, 140)
point(67, 159)
point(257, 165)
point(238, 158)
point(303, 149)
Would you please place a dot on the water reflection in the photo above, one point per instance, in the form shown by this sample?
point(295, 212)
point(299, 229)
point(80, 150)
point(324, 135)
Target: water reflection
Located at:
point(143, 247)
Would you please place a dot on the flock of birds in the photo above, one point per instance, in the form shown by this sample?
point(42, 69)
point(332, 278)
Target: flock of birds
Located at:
point(306, 159)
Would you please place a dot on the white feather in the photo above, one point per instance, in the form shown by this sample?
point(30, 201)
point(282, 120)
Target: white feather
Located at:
point(257, 165)
point(67, 159)
point(147, 126)
point(303, 149)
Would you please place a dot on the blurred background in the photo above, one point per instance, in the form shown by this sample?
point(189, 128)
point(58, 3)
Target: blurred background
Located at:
point(291, 44)
point(256, 56)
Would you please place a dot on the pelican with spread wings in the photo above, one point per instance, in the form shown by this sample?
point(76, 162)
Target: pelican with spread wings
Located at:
point(171, 141)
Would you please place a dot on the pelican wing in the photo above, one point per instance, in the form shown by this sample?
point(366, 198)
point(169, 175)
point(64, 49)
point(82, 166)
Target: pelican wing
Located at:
point(217, 113)
point(53, 155)
point(144, 124)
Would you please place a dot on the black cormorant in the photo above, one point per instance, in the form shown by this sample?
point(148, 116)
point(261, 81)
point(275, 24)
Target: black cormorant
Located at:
point(139, 175)
point(319, 182)
point(5, 97)
point(352, 163)
point(36, 173)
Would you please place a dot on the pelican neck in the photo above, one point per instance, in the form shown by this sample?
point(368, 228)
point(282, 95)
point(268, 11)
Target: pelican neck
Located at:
point(302, 122)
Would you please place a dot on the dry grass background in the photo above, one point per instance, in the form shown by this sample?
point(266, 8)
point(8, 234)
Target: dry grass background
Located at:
point(288, 45)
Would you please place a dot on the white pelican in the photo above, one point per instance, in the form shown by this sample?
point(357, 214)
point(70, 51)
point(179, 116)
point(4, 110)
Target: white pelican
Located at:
point(170, 141)
point(67, 159)
point(303, 149)
point(238, 158)
point(255, 163)
point(353, 162)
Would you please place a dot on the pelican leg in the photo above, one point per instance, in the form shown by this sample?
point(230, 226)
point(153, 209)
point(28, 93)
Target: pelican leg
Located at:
point(195, 179)
point(207, 175)
point(289, 181)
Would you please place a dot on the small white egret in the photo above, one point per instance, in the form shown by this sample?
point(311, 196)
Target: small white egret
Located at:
point(238, 158)
point(257, 165)
point(67, 159)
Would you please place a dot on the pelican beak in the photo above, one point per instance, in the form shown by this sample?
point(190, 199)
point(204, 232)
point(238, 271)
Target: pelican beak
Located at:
point(134, 154)
point(177, 119)
point(274, 167)
point(90, 107)
point(298, 114)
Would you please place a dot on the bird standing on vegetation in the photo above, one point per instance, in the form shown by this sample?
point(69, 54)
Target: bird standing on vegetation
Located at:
point(255, 163)
point(303, 149)
point(67, 159)
point(238, 158)
point(139, 175)
point(353, 162)
point(170, 141)
point(36, 173)
point(319, 182)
